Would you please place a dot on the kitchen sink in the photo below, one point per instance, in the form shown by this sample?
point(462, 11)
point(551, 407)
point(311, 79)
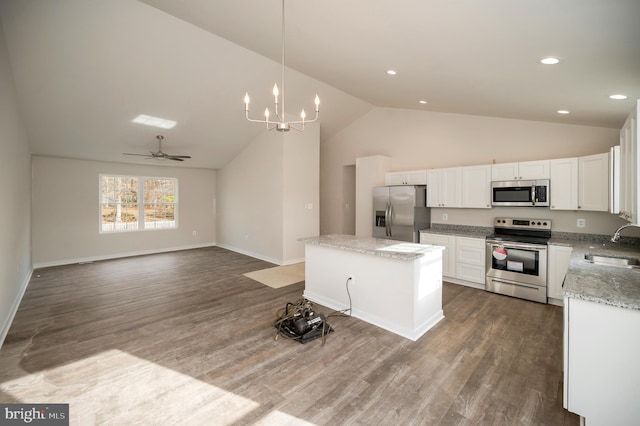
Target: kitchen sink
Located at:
point(619, 261)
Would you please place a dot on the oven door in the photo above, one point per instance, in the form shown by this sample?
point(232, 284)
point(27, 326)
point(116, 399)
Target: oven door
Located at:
point(517, 262)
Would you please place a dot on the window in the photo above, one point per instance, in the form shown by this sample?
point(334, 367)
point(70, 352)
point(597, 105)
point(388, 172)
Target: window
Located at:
point(132, 203)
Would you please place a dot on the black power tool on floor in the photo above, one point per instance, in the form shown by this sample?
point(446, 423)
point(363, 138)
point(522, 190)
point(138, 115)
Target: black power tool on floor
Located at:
point(299, 321)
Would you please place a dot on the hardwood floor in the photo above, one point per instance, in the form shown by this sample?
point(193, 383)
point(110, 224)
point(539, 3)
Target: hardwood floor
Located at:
point(184, 338)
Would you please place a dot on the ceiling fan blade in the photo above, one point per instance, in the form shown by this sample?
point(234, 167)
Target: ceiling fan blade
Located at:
point(159, 155)
point(140, 155)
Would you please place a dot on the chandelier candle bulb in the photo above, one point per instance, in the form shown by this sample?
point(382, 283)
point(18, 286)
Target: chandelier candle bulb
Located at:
point(246, 101)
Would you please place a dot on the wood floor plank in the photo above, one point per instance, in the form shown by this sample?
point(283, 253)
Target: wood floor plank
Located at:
point(186, 336)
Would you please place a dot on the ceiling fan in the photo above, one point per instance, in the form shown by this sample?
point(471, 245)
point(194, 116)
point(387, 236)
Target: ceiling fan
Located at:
point(159, 154)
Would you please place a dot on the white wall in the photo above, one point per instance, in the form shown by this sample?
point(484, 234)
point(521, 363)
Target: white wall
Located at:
point(263, 192)
point(422, 139)
point(301, 193)
point(66, 214)
point(370, 172)
point(15, 214)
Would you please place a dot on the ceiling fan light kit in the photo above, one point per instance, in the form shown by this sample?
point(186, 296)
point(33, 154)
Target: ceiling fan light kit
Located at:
point(159, 154)
point(281, 125)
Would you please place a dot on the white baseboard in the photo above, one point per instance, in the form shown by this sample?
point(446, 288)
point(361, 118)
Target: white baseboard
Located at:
point(252, 254)
point(556, 302)
point(463, 282)
point(261, 257)
point(119, 255)
point(14, 308)
point(411, 334)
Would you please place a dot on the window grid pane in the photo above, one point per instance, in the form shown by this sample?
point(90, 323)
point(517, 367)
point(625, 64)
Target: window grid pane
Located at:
point(119, 203)
point(121, 209)
point(159, 203)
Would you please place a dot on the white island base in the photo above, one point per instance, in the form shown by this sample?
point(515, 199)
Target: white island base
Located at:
point(395, 285)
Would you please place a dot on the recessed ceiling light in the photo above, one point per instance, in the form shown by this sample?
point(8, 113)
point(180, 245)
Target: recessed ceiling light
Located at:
point(562, 111)
point(154, 121)
point(618, 96)
point(550, 60)
point(391, 72)
point(422, 102)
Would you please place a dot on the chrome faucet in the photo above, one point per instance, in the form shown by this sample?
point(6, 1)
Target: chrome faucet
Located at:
point(616, 235)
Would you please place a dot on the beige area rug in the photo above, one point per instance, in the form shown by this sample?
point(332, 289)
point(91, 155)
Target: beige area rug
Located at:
point(280, 276)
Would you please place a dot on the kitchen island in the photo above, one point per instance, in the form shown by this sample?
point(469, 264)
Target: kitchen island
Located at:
point(394, 285)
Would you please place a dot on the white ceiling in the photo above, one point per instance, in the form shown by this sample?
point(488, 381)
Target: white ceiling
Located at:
point(83, 69)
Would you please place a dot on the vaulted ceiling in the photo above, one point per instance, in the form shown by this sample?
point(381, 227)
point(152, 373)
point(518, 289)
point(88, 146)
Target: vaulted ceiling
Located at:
point(83, 69)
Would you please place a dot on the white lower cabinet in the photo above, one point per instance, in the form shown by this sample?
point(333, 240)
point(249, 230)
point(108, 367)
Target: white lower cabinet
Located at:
point(463, 259)
point(557, 266)
point(470, 257)
point(601, 356)
point(449, 253)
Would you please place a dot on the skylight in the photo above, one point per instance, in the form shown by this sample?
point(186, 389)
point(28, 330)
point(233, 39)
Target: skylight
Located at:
point(154, 121)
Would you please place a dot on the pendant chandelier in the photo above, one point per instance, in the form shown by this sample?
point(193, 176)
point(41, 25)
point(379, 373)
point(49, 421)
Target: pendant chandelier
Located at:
point(281, 125)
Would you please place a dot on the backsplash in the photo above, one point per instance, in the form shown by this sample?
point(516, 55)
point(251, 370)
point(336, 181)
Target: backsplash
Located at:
point(595, 238)
point(573, 236)
point(462, 228)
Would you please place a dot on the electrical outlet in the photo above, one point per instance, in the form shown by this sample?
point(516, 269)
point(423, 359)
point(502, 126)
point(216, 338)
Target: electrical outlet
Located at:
point(445, 216)
point(581, 223)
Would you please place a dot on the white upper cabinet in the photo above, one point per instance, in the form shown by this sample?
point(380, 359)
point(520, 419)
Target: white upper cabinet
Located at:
point(580, 183)
point(629, 160)
point(505, 171)
point(593, 184)
point(476, 187)
point(411, 177)
point(534, 169)
point(563, 173)
point(444, 187)
point(524, 170)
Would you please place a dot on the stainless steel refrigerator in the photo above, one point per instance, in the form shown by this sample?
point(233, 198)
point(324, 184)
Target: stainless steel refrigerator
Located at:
point(400, 212)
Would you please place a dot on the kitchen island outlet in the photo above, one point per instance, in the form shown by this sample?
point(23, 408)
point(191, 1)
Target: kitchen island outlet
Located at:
point(394, 285)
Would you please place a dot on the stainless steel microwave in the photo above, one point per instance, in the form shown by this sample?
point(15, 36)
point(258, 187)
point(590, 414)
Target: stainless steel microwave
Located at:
point(522, 193)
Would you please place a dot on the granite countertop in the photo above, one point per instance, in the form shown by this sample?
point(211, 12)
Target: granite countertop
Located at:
point(609, 285)
point(400, 250)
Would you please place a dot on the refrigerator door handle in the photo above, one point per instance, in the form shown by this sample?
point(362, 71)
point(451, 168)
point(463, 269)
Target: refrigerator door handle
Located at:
point(389, 224)
point(386, 220)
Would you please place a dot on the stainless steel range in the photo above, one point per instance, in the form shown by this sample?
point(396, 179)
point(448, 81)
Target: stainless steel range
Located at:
point(517, 258)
